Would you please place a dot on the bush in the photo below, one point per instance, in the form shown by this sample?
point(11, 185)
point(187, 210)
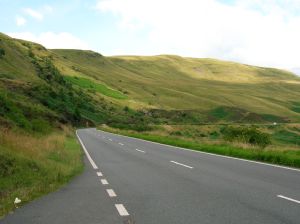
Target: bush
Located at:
point(41, 126)
point(2, 52)
point(249, 135)
point(135, 127)
point(213, 135)
point(6, 165)
point(10, 110)
point(31, 54)
point(178, 133)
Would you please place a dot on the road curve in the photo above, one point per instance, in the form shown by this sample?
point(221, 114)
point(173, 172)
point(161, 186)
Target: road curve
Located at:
point(128, 180)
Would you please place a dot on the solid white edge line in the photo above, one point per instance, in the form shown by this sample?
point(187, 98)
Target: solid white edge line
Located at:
point(140, 150)
point(111, 193)
point(122, 210)
point(99, 174)
point(181, 164)
point(287, 198)
point(104, 182)
point(87, 153)
point(212, 154)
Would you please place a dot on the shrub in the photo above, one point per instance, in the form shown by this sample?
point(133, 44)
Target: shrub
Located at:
point(6, 165)
point(250, 135)
point(135, 127)
point(10, 111)
point(213, 135)
point(41, 126)
point(178, 133)
point(31, 54)
point(2, 52)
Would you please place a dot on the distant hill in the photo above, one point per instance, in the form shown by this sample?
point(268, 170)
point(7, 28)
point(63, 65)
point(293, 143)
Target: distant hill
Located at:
point(215, 90)
point(84, 86)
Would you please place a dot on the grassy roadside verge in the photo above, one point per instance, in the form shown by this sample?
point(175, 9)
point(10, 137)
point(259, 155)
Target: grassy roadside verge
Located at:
point(280, 157)
point(31, 166)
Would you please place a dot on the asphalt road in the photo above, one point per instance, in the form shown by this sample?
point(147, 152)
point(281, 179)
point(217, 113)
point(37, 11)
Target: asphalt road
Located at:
point(128, 180)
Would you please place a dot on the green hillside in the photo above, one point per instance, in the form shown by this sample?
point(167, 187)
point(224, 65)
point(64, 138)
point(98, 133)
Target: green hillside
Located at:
point(202, 86)
point(35, 95)
point(79, 87)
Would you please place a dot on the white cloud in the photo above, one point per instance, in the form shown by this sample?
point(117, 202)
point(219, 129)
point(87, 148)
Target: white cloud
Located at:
point(20, 21)
point(296, 71)
point(34, 13)
point(261, 32)
point(53, 40)
point(47, 9)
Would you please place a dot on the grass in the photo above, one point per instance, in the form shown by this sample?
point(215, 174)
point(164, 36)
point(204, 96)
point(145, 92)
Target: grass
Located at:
point(287, 137)
point(31, 166)
point(220, 113)
point(100, 88)
point(284, 136)
point(280, 157)
point(164, 82)
point(177, 83)
point(296, 107)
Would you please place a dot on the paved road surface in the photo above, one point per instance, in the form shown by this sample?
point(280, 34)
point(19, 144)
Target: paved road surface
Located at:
point(128, 180)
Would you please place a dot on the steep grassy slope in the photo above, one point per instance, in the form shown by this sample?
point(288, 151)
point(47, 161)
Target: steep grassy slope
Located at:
point(204, 86)
point(35, 96)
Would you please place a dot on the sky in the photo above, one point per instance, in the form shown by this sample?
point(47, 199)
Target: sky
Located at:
point(257, 32)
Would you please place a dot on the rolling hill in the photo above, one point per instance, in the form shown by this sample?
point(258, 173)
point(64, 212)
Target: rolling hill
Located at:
point(215, 90)
point(171, 88)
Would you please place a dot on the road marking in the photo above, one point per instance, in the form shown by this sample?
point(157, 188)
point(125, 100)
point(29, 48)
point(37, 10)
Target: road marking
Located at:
point(289, 199)
point(111, 193)
point(87, 153)
point(211, 154)
point(110, 139)
point(121, 143)
point(99, 174)
point(122, 210)
point(181, 164)
point(104, 182)
point(140, 150)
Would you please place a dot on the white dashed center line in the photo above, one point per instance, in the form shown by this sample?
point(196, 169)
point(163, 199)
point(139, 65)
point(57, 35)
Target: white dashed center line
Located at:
point(111, 193)
point(140, 150)
point(289, 199)
point(121, 143)
point(122, 210)
point(104, 182)
point(181, 164)
point(99, 174)
point(110, 139)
